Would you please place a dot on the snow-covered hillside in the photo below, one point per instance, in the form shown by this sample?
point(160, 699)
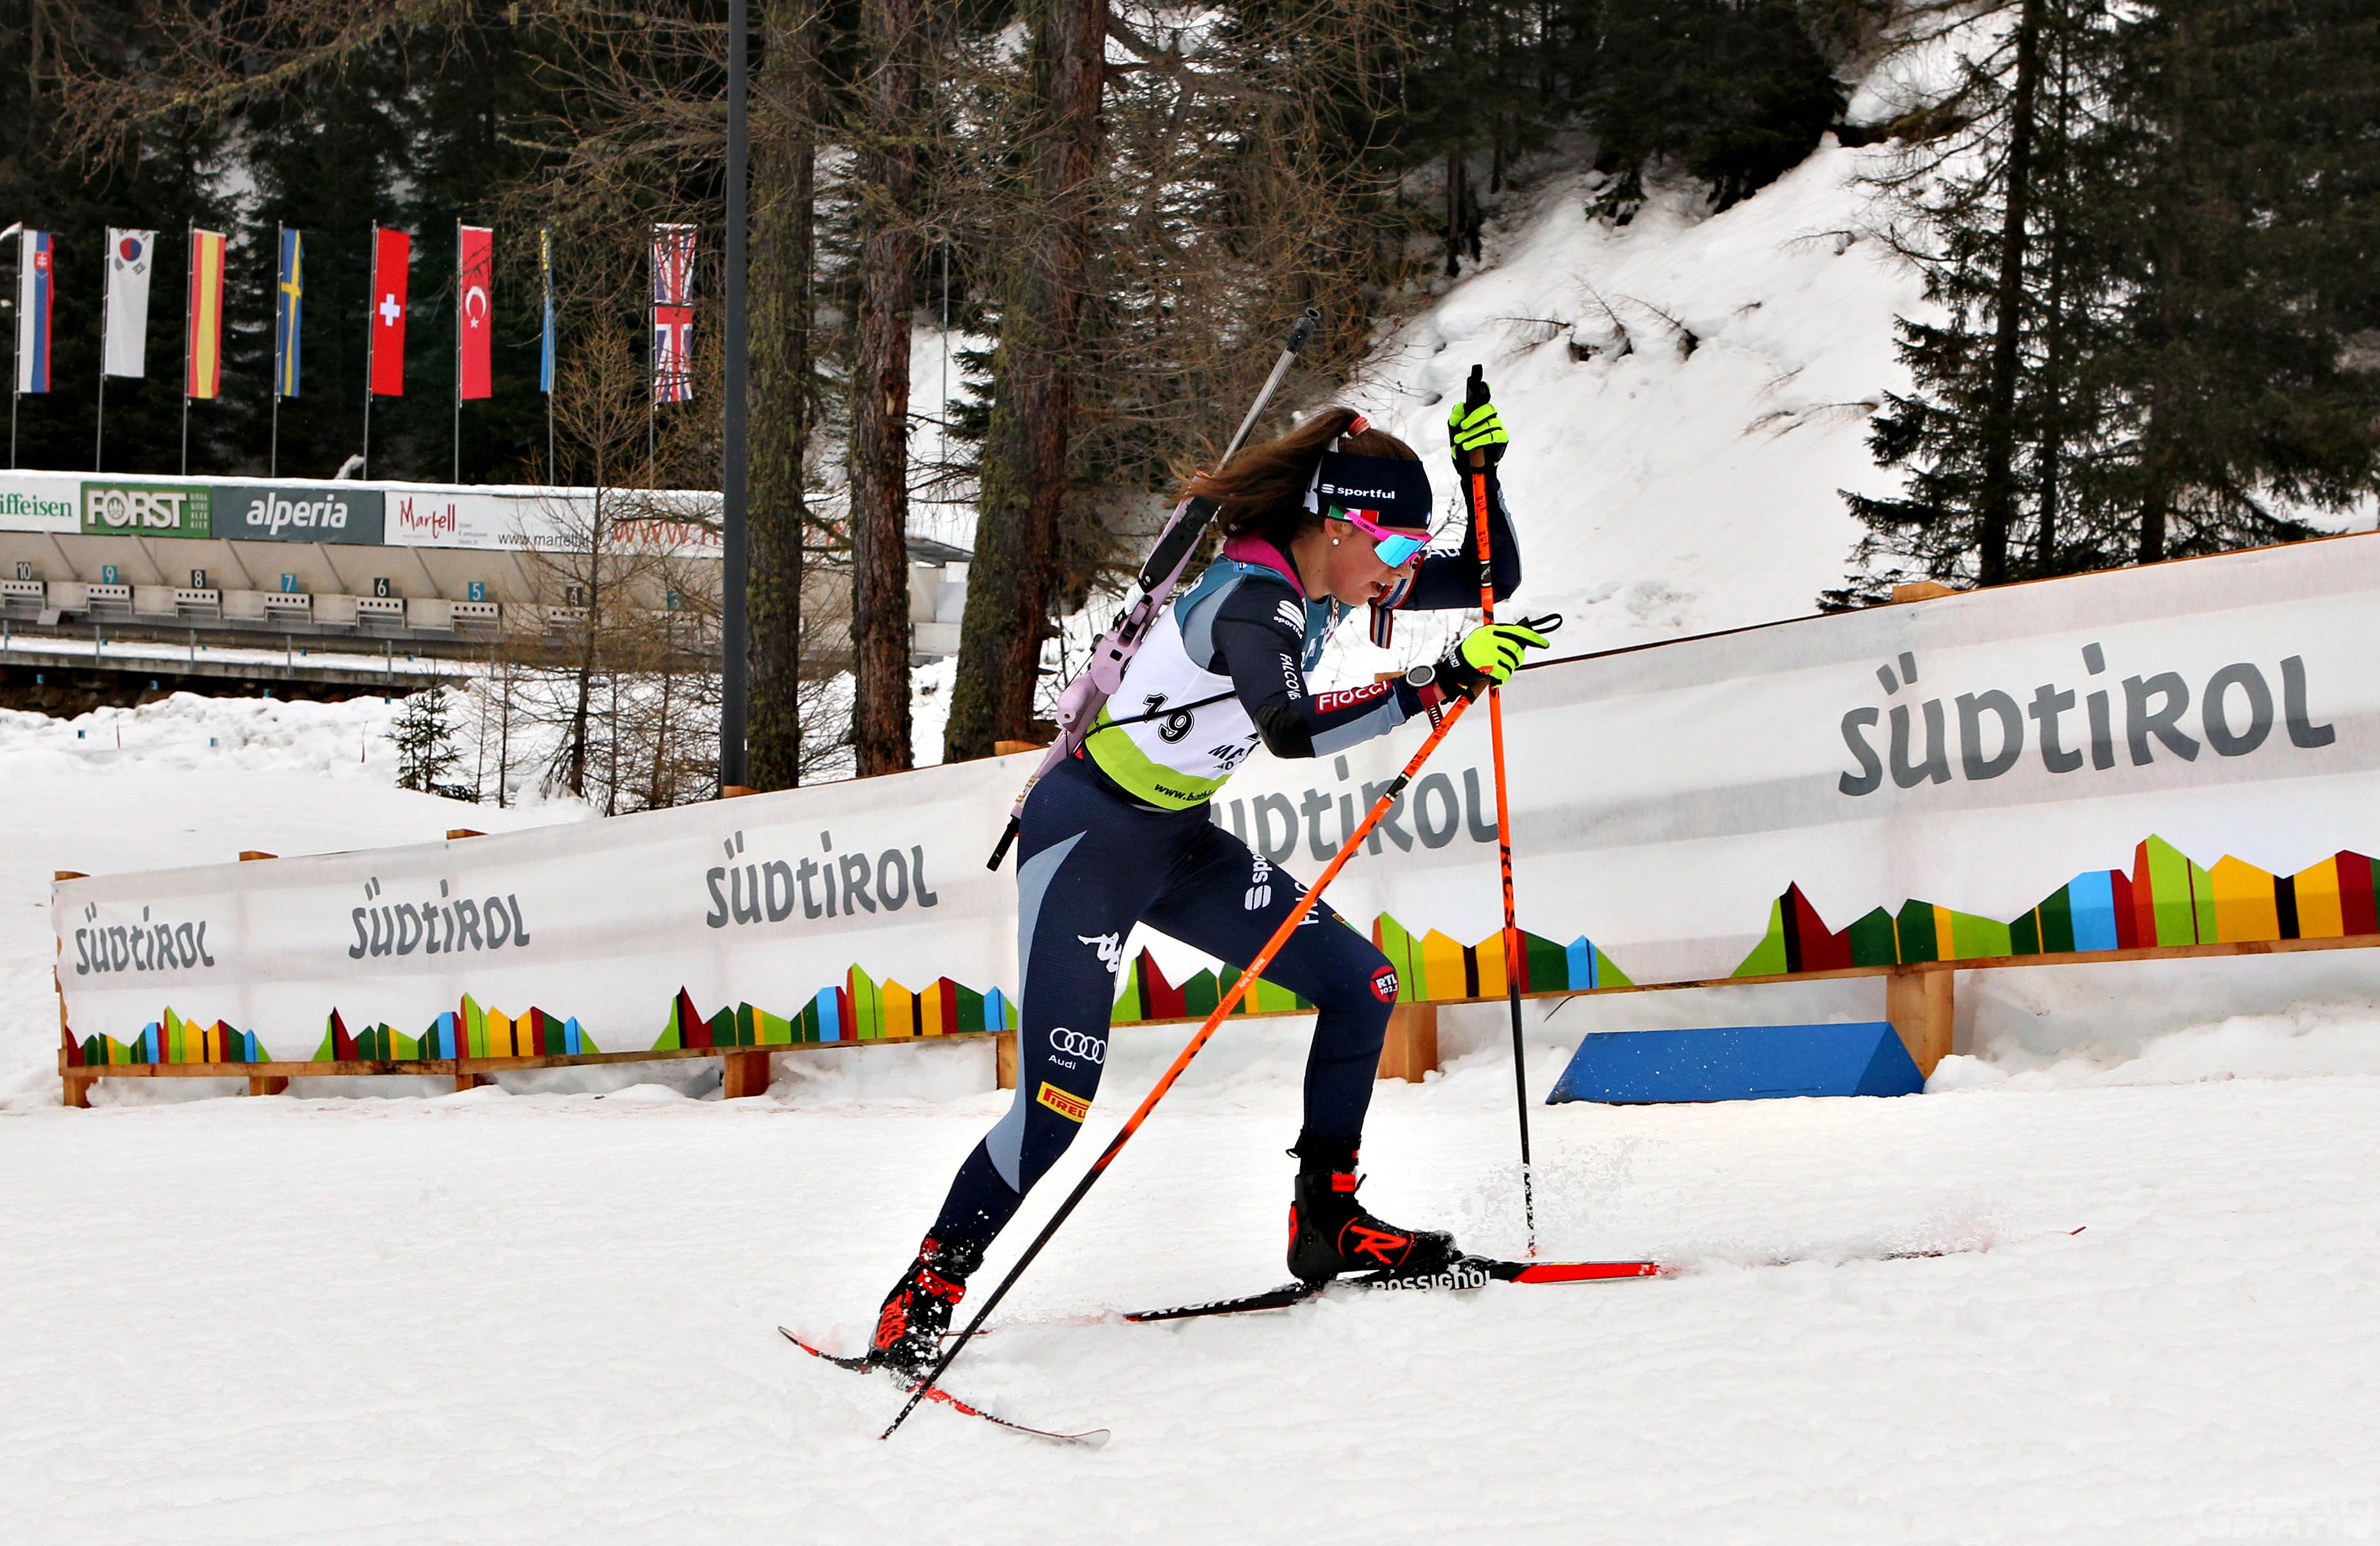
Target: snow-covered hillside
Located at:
point(1687, 393)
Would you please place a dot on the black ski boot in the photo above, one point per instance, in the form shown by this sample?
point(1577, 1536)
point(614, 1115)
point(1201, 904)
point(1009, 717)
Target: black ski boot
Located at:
point(909, 1328)
point(1330, 1232)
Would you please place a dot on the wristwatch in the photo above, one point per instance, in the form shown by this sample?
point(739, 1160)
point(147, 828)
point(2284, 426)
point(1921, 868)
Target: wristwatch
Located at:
point(1421, 676)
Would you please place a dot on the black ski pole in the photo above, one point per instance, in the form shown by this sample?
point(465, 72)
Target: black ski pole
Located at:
point(1515, 957)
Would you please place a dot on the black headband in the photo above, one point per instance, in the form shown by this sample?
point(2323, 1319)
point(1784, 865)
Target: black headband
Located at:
point(1396, 489)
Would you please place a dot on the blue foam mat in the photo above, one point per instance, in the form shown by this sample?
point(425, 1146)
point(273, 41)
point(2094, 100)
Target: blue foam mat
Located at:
point(1738, 1063)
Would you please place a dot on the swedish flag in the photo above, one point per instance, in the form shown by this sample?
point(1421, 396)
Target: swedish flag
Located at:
point(285, 313)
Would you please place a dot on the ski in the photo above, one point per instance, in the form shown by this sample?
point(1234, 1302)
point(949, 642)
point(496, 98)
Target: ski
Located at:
point(1462, 1273)
point(1093, 1439)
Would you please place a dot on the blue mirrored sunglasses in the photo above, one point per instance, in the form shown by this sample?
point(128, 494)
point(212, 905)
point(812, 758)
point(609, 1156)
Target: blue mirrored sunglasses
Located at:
point(1393, 548)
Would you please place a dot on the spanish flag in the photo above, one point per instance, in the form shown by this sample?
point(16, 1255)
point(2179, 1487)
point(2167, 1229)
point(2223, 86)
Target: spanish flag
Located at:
point(203, 363)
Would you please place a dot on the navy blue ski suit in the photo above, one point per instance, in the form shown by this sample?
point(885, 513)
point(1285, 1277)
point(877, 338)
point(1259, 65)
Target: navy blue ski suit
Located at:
point(1094, 860)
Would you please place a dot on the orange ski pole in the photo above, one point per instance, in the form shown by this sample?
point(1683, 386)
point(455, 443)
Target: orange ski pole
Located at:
point(1165, 1081)
point(1476, 393)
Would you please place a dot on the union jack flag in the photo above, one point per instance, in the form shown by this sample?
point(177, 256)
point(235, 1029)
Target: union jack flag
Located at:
point(672, 313)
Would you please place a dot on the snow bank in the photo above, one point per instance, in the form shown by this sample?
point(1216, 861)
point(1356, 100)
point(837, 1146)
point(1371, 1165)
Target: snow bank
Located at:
point(2306, 1040)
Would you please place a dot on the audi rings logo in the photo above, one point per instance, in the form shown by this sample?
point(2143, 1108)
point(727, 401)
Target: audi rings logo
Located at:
point(1073, 1044)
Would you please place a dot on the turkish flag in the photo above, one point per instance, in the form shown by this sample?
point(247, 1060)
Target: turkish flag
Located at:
point(391, 254)
point(474, 279)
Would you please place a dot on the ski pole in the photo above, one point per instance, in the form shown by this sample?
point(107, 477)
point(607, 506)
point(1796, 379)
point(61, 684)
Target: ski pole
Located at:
point(1476, 393)
point(1165, 1081)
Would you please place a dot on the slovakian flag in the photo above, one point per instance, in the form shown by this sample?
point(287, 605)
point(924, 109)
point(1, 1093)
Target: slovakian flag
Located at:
point(288, 305)
point(34, 295)
point(131, 256)
point(672, 313)
point(202, 362)
point(475, 277)
point(391, 257)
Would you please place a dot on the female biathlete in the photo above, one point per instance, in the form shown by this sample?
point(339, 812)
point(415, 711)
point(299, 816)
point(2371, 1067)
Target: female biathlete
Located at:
point(1331, 515)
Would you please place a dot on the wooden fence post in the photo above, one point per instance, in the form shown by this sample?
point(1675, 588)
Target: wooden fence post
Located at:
point(266, 1084)
point(1919, 1004)
point(1411, 1050)
point(743, 1074)
point(77, 1092)
point(1004, 1059)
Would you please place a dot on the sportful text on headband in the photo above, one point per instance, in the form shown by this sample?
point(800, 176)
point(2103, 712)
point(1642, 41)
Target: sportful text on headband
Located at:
point(1386, 498)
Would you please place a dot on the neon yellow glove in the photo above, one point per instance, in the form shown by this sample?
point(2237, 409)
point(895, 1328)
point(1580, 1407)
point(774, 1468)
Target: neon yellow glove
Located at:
point(1488, 654)
point(1476, 429)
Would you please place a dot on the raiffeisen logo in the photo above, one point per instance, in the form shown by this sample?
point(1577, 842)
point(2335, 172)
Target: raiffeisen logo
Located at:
point(150, 509)
point(27, 505)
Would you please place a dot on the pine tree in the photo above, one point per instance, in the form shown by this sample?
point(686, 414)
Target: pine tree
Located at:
point(424, 734)
point(2194, 271)
point(2244, 198)
point(1995, 437)
point(162, 176)
point(1733, 92)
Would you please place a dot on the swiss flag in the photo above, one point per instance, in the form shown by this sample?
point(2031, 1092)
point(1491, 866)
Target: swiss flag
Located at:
point(474, 280)
point(392, 256)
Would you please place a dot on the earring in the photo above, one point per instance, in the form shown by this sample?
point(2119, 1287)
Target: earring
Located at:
point(1334, 542)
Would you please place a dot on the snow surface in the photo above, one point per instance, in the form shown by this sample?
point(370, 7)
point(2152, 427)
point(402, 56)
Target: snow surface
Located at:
point(532, 1313)
point(496, 1316)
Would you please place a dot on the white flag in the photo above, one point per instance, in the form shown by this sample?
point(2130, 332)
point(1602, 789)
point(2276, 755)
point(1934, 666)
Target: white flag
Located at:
point(130, 255)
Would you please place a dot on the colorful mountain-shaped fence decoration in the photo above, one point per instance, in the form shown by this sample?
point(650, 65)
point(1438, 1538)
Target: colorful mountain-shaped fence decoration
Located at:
point(168, 1039)
point(858, 1009)
point(1431, 968)
point(2166, 902)
point(1435, 968)
point(1149, 996)
point(467, 1030)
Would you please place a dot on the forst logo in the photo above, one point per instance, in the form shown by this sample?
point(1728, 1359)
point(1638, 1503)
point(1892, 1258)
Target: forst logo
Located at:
point(132, 510)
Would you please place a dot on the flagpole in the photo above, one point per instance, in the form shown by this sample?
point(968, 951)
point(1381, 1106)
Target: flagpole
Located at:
point(371, 281)
point(733, 684)
point(190, 282)
point(106, 315)
point(16, 335)
point(458, 350)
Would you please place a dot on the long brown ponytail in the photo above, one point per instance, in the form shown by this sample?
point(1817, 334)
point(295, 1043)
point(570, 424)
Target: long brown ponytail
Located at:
point(1262, 490)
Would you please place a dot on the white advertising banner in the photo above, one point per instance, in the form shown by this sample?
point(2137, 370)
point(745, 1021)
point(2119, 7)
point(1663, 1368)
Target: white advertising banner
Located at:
point(2166, 757)
point(671, 522)
point(422, 516)
point(40, 502)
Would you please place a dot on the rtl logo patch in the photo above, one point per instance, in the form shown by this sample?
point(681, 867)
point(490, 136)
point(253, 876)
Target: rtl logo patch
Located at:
point(1384, 984)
